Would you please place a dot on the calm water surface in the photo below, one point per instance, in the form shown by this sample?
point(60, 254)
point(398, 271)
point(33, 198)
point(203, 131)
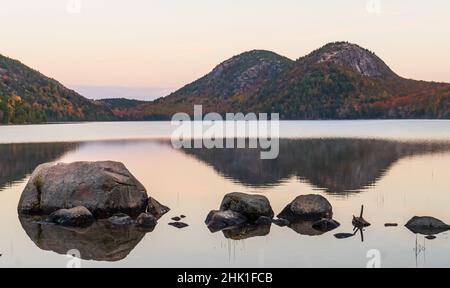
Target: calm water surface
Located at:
point(397, 169)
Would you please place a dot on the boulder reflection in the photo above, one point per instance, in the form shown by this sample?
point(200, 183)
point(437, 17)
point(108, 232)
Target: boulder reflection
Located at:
point(247, 231)
point(100, 242)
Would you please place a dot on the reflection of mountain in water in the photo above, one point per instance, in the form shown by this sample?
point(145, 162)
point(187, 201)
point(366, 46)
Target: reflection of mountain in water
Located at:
point(100, 242)
point(19, 160)
point(335, 165)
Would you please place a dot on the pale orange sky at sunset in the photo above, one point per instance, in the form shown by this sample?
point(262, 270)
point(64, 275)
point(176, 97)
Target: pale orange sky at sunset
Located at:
point(165, 44)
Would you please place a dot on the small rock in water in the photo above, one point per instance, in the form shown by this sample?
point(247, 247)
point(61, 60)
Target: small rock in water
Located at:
point(219, 220)
point(146, 220)
point(426, 225)
point(430, 237)
point(156, 209)
point(177, 219)
point(178, 225)
point(264, 220)
point(183, 216)
point(307, 207)
point(390, 225)
point(121, 219)
point(281, 222)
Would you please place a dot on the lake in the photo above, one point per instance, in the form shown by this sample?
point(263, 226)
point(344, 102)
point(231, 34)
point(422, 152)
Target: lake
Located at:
point(396, 169)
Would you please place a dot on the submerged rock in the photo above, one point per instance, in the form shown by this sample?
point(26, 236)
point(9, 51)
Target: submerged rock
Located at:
point(78, 217)
point(176, 219)
point(326, 225)
point(156, 209)
point(219, 220)
point(251, 206)
point(391, 225)
point(307, 207)
point(426, 225)
point(121, 219)
point(104, 188)
point(178, 225)
point(146, 220)
point(430, 237)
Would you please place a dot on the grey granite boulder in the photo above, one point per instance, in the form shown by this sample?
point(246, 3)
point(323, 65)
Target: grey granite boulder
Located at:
point(426, 225)
point(251, 206)
point(311, 207)
point(104, 188)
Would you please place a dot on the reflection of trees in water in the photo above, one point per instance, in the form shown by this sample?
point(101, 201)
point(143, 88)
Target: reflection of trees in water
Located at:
point(335, 165)
point(19, 160)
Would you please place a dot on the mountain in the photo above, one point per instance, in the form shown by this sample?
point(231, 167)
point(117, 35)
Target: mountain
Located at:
point(27, 96)
point(228, 83)
point(338, 81)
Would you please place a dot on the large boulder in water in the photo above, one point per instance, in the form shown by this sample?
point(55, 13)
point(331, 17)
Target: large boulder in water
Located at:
point(251, 206)
point(310, 207)
point(104, 188)
point(426, 225)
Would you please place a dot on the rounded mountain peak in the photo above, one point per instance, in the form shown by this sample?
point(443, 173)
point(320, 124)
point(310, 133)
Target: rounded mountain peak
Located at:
point(242, 74)
point(248, 62)
point(353, 57)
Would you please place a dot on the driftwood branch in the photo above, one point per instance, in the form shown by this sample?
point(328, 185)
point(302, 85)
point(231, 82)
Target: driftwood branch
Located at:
point(360, 221)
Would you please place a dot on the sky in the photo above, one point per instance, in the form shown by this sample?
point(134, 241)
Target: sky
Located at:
point(147, 48)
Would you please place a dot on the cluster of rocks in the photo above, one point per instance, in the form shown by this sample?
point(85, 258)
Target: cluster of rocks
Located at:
point(307, 214)
point(177, 222)
point(80, 193)
point(242, 216)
